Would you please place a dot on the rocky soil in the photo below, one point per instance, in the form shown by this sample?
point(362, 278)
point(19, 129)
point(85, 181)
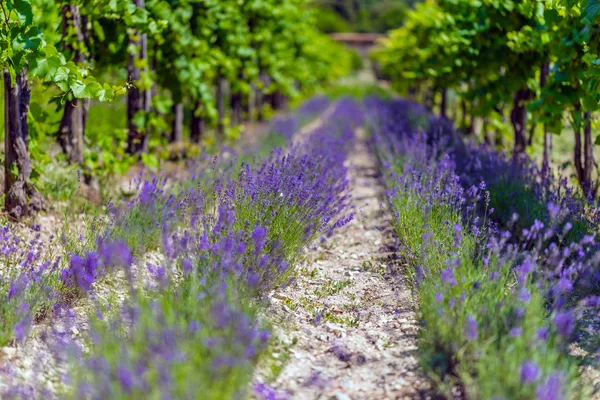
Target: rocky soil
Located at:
point(347, 329)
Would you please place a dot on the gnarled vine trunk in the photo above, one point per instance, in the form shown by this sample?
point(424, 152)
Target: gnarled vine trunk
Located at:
point(236, 108)
point(444, 103)
point(278, 101)
point(547, 135)
point(261, 97)
point(428, 96)
point(21, 196)
point(236, 101)
point(72, 124)
point(221, 105)
point(518, 118)
point(138, 101)
point(466, 120)
point(248, 100)
point(177, 130)
point(585, 167)
point(197, 124)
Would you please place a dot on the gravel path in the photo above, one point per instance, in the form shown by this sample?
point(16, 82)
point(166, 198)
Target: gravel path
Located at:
point(347, 329)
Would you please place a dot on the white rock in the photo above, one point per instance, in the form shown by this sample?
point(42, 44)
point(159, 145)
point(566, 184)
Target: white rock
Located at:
point(341, 396)
point(9, 351)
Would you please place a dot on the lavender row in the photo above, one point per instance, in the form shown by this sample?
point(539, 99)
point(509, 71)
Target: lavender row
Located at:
point(194, 331)
point(38, 283)
point(500, 303)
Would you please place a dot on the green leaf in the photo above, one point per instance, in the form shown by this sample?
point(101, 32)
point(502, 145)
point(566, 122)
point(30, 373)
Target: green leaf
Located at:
point(140, 16)
point(551, 16)
point(589, 103)
point(62, 74)
point(23, 9)
point(139, 119)
point(98, 30)
point(591, 9)
point(151, 161)
point(106, 93)
point(44, 67)
point(78, 88)
point(86, 89)
point(162, 103)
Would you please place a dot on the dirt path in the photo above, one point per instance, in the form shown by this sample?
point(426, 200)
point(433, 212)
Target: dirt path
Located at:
point(347, 329)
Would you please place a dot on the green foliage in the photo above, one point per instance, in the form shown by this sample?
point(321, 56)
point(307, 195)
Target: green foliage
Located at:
point(361, 15)
point(445, 45)
point(191, 44)
point(358, 91)
point(328, 21)
point(23, 46)
point(536, 58)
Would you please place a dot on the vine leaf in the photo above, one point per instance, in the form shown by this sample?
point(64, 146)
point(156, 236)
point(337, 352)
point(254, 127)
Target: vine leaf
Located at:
point(23, 9)
point(591, 9)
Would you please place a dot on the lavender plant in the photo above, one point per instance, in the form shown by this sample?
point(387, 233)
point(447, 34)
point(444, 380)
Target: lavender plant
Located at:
point(34, 281)
point(26, 279)
point(194, 332)
point(495, 299)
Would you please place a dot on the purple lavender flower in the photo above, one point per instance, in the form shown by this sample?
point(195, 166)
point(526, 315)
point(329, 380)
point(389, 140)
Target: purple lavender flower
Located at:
point(187, 266)
point(262, 391)
point(470, 330)
point(259, 235)
point(23, 327)
point(494, 275)
point(564, 322)
point(341, 352)
point(543, 333)
point(524, 295)
point(125, 378)
point(448, 277)
point(457, 234)
point(564, 285)
point(551, 388)
point(529, 371)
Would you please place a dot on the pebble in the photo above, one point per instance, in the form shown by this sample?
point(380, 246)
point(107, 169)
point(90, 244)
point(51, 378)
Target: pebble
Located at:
point(9, 351)
point(341, 396)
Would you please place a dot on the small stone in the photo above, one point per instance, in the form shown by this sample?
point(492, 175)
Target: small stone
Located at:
point(9, 351)
point(361, 359)
point(341, 396)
